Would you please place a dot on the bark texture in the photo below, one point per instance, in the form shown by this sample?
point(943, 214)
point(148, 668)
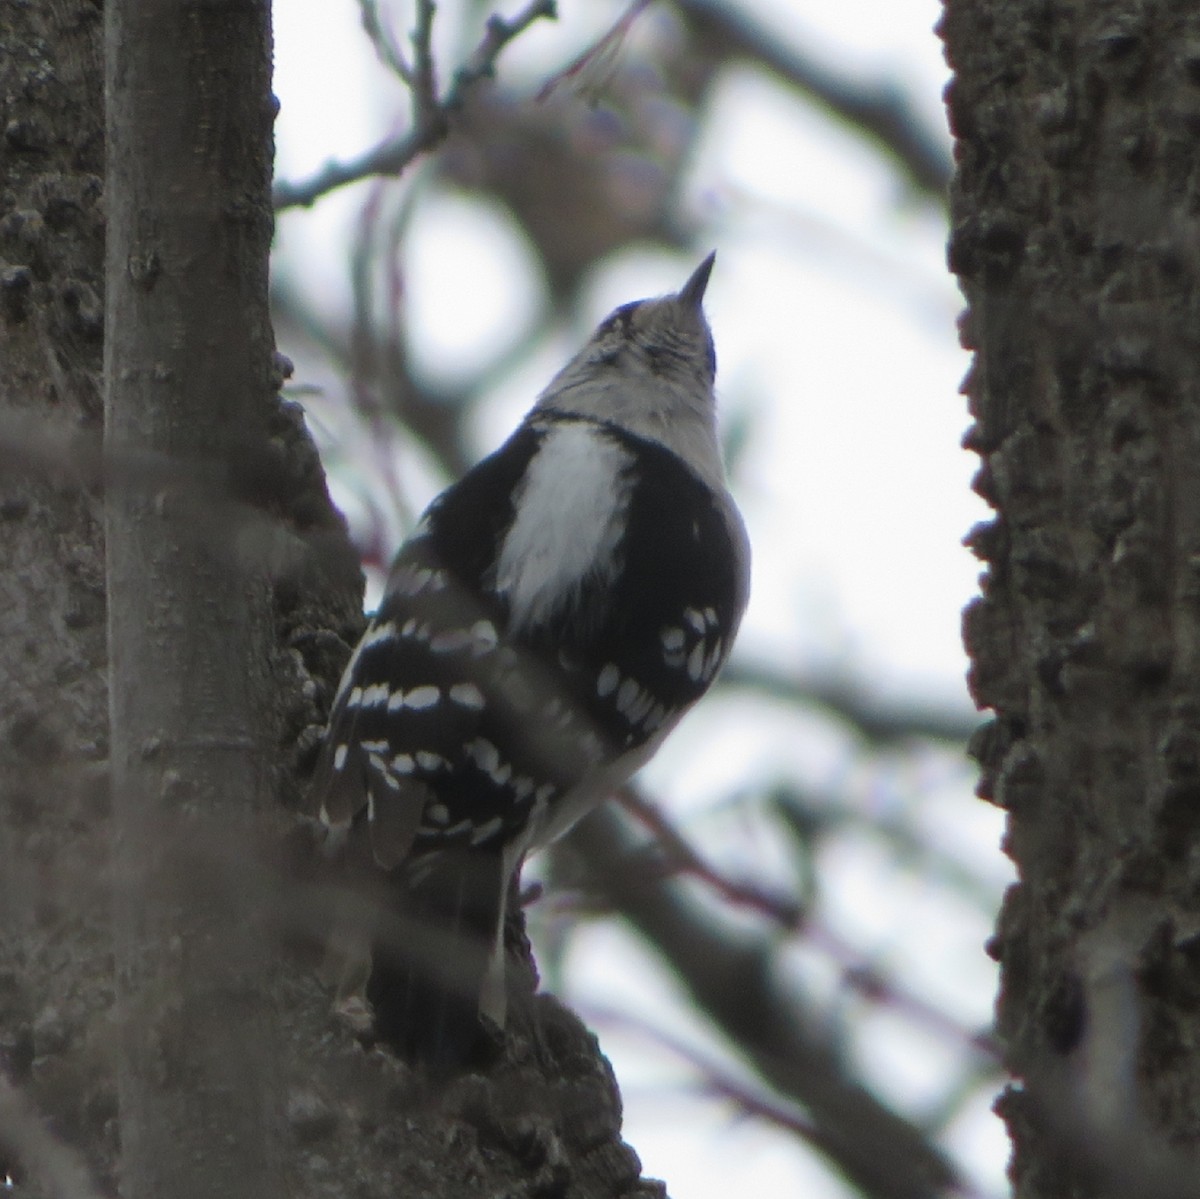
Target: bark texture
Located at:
point(1077, 242)
point(55, 952)
point(188, 397)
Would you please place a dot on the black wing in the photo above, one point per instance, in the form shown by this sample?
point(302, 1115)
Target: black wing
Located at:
point(455, 730)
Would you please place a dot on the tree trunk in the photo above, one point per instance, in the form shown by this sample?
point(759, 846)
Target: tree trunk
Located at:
point(1075, 227)
point(188, 396)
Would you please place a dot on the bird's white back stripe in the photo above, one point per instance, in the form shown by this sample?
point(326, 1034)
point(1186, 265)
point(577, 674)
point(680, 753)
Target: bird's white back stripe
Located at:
point(568, 523)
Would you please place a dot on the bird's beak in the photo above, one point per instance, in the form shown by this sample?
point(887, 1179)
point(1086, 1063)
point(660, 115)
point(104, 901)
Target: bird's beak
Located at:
point(692, 292)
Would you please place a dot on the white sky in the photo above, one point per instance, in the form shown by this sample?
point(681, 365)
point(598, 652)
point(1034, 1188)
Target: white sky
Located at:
point(834, 321)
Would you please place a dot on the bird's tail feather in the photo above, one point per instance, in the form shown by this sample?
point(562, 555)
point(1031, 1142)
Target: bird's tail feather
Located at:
point(428, 969)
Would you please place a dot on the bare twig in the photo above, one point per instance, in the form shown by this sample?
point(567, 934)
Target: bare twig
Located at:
point(367, 374)
point(715, 1076)
point(682, 857)
point(424, 80)
point(591, 71)
point(723, 1082)
point(733, 977)
point(858, 975)
point(382, 40)
point(391, 157)
point(497, 35)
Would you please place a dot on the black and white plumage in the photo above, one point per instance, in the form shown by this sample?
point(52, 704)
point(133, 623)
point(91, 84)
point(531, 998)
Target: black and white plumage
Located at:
point(551, 619)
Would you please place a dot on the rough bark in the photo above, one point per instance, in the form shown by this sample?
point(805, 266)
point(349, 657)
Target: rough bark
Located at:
point(1075, 235)
point(55, 954)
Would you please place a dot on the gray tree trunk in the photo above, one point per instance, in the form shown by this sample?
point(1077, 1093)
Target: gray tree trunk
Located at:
point(1076, 222)
point(188, 397)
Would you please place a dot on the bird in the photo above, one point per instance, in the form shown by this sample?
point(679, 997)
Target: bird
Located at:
point(553, 615)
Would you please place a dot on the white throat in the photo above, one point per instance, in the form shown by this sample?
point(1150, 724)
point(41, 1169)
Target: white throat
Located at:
point(677, 416)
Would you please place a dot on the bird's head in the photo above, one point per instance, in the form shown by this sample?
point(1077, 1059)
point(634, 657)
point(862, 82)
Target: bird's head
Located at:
point(657, 353)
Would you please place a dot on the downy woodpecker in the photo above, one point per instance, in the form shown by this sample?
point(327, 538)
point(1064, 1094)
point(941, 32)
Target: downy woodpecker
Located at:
point(552, 617)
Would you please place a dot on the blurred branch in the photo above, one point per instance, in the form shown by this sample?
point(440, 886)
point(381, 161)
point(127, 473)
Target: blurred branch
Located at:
point(733, 977)
point(719, 1080)
point(879, 988)
point(675, 854)
point(432, 122)
point(435, 418)
point(872, 719)
point(379, 378)
point(882, 111)
point(381, 38)
point(716, 1077)
point(811, 817)
point(589, 72)
point(423, 81)
point(681, 857)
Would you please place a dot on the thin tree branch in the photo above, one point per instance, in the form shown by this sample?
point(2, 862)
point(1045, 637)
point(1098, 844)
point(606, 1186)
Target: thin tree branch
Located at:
point(722, 1082)
point(811, 816)
point(682, 857)
point(858, 975)
point(733, 977)
point(381, 39)
point(590, 71)
point(434, 417)
point(391, 157)
point(424, 79)
point(715, 1076)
